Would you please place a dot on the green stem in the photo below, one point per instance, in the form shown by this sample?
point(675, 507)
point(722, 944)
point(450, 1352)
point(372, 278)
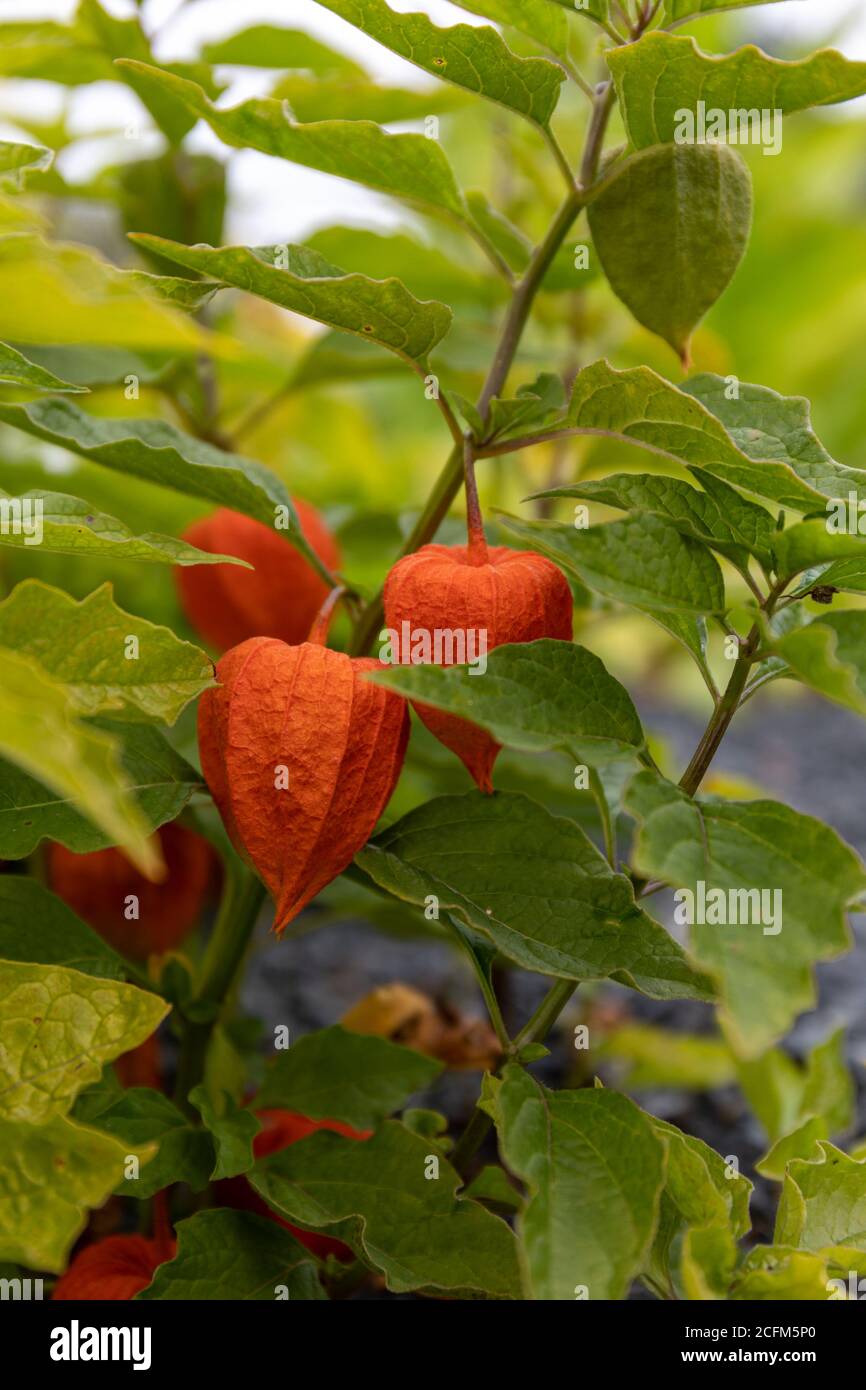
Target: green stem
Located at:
point(598, 796)
point(449, 482)
point(535, 1030)
point(239, 908)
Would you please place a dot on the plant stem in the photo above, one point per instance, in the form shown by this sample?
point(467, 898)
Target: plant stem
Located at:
point(607, 830)
point(242, 898)
point(535, 1030)
point(476, 541)
point(450, 479)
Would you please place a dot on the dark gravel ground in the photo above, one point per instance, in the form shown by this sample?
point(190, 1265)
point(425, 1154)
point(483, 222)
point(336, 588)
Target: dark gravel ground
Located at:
point(808, 754)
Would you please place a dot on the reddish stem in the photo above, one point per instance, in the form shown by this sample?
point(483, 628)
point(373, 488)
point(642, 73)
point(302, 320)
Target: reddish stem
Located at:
point(322, 621)
point(477, 547)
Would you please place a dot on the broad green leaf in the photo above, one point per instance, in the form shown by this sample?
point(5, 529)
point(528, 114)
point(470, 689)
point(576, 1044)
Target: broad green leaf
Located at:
point(800, 1143)
point(848, 576)
point(643, 560)
point(823, 1202)
point(537, 18)
point(597, 10)
point(50, 1176)
point(159, 782)
point(51, 51)
point(718, 517)
point(232, 1256)
point(774, 1273)
point(534, 405)
point(53, 293)
point(703, 1211)
point(137, 1117)
point(36, 927)
point(774, 430)
point(533, 696)
point(809, 543)
point(337, 1075)
point(513, 245)
point(16, 368)
point(270, 46)
point(760, 442)
point(381, 311)
point(661, 77)
point(409, 167)
point(425, 270)
point(40, 733)
point(698, 200)
point(414, 1230)
point(159, 453)
point(338, 98)
point(594, 1170)
point(790, 876)
point(680, 11)
point(773, 1085)
point(125, 38)
point(829, 655)
point(232, 1129)
point(643, 1056)
point(70, 526)
point(534, 885)
point(59, 1027)
point(15, 158)
point(477, 59)
point(86, 646)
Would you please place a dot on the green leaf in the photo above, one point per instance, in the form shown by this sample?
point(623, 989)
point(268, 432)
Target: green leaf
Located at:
point(823, 1202)
point(228, 1256)
point(411, 1228)
point(534, 405)
point(270, 46)
point(704, 1209)
point(661, 77)
point(159, 782)
point(477, 59)
point(597, 10)
point(339, 98)
point(15, 367)
point(56, 294)
point(774, 1273)
point(643, 560)
point(381, 311)
point(594, 1170)
point(38, 928)
point(41, 733)
point(409, 167)
point(50, 1175)
point(425, 270)
point(337, 1075)
point(809, 876)
point(125, 38)
point(829, 655)
point(819, 1100)
point(59, 1028)
point(698, 200)
point(159, 453)
point(533, 696)
point(757, 440)
point(142, 1117)
point(85, 645)
point(14, 158)
point(774, 430)
point(70, 526)
point(809, 543)
point(645, 1057)
point(537, 18)
point(680, 11)
point(718, 516)
point(233, 1129)
point(535, 885)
